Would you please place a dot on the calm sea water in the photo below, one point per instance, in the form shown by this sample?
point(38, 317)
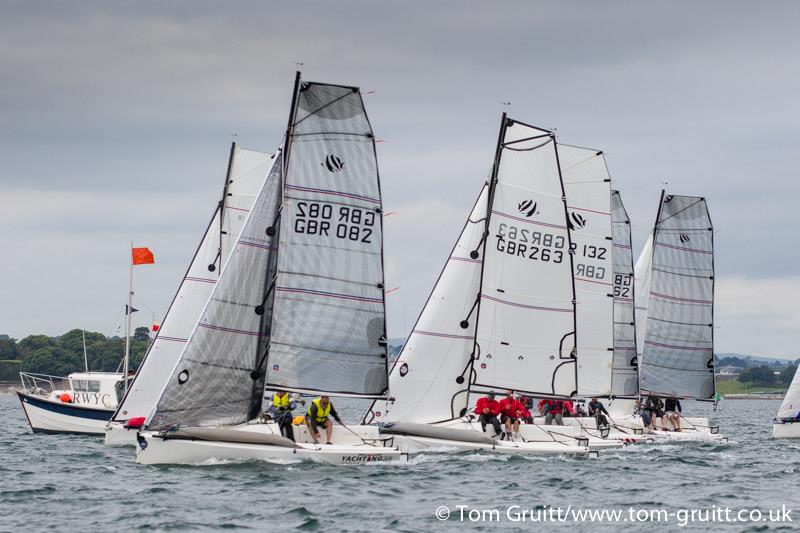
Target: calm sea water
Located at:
point(73, 483)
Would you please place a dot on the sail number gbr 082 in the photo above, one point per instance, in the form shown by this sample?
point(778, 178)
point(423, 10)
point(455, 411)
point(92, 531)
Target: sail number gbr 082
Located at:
point(536, 245)
point(342, 222)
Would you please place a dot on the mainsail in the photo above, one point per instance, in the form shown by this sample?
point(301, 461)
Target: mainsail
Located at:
point(678, 344)
point(329, 325)
point(625, 375)
point(247, 171)
point(218, 379)
point(525, 331)
point(429, 379)
point(588, 189)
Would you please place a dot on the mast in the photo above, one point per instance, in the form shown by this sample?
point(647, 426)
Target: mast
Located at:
point(270, 283)
point(85, 359)
point(211, 267)
point(484, 238)
point(128, 324)
point(574, 351)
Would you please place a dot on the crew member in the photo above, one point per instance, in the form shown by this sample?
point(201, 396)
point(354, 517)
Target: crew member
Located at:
point(317, 417)
point(487, 409)
point(511, 411)
point(281, 411)
point(672, 412)
point(598, 411)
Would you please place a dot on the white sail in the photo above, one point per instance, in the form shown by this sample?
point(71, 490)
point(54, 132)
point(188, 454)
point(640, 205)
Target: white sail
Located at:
point(588, 188)
point(525, 333)
point(429, 379)
point(641, 289)
point(247, 171)
point(790, 407)
point(678, 346)
point(624, 375)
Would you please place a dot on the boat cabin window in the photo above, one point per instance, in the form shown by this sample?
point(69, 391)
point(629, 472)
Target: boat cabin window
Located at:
point(86, 385)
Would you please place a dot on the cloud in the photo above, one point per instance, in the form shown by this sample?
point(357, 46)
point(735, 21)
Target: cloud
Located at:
point(110, 107)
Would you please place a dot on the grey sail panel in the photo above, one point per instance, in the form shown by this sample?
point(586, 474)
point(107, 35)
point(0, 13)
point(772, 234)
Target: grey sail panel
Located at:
point(328, 331)
point(217, 380)
point(624, 372)
point(678, 347)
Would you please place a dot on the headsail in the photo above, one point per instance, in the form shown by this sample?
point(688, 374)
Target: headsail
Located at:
point(625, 374)
point(217, 380)
point(588, 189)
point(790, 407)
point(329, 330)
point(247, 171)
point(525, 334)
point(678, 346)
point(429, 380)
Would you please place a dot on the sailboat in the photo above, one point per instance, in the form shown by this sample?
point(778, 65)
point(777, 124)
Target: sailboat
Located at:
point(247, 171)
point(786, 424)
point(299, 305)
point(82, 402)
point(675, 310)
point(503, 313)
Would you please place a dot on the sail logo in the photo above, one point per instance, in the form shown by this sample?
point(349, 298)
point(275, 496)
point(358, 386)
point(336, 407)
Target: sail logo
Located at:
point(527, 208)
point(576, 221)
point(334, 163)
point(684, 238)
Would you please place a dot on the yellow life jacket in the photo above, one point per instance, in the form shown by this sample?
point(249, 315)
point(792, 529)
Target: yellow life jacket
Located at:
point(280, 402)
point(322, 412)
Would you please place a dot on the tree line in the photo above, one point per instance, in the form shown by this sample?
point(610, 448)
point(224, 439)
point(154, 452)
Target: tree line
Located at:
point(62, 355)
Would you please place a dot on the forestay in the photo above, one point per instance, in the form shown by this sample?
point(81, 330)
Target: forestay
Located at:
point(328, 330)
point(246, 174)
point(588, 188)
point(429, 379)
point(525, 333)
point(625, 375)
point(218, 379)
point(678, 347)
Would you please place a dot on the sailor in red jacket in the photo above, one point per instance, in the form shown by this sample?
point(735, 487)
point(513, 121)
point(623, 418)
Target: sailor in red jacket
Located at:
point(487, 410)
point(552, 410)
point(511, 411)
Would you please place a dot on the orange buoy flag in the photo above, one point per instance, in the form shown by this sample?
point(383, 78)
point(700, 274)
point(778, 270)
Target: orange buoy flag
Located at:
point(142, 256)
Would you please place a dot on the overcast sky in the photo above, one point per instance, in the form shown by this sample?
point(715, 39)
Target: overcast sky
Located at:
point(116, 121)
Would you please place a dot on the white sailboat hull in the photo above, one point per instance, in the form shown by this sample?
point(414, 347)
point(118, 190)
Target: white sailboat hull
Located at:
point(48, 416)
point(116, 434)
point(786, 430)
point(414, 445)
point(347, 449)
point(532, 440)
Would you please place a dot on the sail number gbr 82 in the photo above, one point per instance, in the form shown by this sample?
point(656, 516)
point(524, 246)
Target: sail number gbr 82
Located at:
point(350, 223)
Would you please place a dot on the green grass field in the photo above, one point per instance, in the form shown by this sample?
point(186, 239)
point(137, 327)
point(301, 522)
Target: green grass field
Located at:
point(734, 387)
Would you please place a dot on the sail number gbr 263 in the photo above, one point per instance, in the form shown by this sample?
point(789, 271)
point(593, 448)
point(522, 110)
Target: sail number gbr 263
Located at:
point(536, 245)
point(342, 222)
